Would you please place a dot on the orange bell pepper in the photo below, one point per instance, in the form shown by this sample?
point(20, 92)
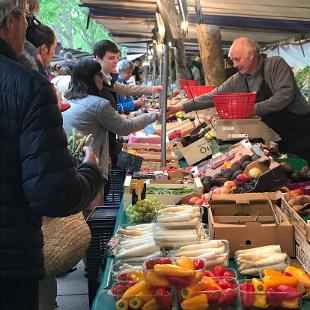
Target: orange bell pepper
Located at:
point(145, 295)
point(290, 304)
point(299, 274)
point(271, 272)
point(151, 305)
point(185, 262)
point(173, 270)
point(199, 302)
point(274, 281)
point(207, 283)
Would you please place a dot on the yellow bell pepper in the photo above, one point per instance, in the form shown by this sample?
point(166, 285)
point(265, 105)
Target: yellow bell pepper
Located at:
point(137, 275)
point(260, 296)
point(274, 281)
point(187, 292)
point(290, 304)
point(199, 302)
point(300, 274)
point(151, 305)
point(135, 303)
point(121, 305)
point(173, 270)
point(145, 295)
point(271, 272)
point(135, 289)
point(185, 262)
point(197, 276)
point(156, 279)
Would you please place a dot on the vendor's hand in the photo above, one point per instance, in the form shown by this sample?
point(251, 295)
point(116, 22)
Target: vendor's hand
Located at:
point(138, 103)
point(157, 89)
point(90, 156)
point(172, 109)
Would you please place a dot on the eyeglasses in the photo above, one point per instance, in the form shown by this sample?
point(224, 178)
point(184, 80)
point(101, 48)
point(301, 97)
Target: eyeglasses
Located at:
point(32, 20)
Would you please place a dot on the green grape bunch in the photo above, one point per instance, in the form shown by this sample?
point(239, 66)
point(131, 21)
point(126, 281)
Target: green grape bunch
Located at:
point(143, 211)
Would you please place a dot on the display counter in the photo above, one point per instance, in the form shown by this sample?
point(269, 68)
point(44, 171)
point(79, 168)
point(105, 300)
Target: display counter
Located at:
point(103, 301)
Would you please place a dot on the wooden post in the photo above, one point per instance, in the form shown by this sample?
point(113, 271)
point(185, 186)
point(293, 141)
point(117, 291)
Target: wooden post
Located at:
point(211, 53)
point(172, 65)
point(180, 60)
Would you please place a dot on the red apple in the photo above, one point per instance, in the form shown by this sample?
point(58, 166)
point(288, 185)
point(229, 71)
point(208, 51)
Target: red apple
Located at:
point(243, 178)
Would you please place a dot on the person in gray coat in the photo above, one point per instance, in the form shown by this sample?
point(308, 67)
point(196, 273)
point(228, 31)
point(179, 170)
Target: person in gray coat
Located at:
point(90, 113)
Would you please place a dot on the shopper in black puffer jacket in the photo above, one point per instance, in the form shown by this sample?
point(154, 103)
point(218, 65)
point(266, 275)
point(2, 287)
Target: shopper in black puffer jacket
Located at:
point(37, 176)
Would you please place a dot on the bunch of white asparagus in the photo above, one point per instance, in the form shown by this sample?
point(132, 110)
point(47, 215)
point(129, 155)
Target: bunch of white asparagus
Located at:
point(251, 261)
point(215, 252)
point(137, 245)
point(178, 226)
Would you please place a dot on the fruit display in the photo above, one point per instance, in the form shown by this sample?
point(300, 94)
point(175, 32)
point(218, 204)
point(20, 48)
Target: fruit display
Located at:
point(143, 211)
point(252, 261)
point(275, 289)
point(167, 191)
point(298, 202)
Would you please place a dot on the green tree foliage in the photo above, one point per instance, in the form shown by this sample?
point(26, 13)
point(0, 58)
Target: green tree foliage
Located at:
point(69, 21)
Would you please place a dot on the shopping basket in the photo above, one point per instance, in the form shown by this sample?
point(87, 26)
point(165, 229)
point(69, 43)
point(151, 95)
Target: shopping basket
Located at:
point(195, 91)
point(234, 105)
point(186, 83)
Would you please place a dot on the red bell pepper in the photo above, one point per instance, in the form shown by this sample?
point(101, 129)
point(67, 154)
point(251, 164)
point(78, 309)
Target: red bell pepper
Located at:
point(219, 271)
point(208, 273)
point(123, 276)
point(163, 298)
point(118, 291)
point(228, 297)
point(214, 294)
point(274, 298)
point(179, 282)
point(228, 274)
point(165, 260)
point(226, 283)
point(288, 292)
point(247, 294)
point(151, 262)
point(198, 263)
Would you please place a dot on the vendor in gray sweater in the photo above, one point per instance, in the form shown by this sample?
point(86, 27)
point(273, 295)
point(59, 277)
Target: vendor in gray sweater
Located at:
point(278, 99)
point(90, 113)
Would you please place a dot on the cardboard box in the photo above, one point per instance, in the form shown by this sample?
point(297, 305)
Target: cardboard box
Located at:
point(302, 250)
point(248, 221)
point(129, 184)
point(298, 222)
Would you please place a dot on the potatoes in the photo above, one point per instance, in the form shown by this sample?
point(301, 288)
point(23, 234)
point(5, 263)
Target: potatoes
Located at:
point(299, 203)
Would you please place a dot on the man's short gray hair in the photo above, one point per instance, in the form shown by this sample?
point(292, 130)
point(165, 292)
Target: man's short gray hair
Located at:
point(124, 65)
point(246, 43)
point(12, 6)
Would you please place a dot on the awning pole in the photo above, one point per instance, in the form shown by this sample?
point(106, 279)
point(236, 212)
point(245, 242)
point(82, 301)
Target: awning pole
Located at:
point(163, 104)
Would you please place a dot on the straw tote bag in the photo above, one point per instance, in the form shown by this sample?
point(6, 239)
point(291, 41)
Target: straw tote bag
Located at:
point(66, 241)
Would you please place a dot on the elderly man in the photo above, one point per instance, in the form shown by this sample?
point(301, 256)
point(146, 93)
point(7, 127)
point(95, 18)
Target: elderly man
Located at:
point(278, 101)
point(37, 175)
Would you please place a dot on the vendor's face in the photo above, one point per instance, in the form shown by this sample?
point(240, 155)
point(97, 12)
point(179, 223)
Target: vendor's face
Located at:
point(108, 62)
point(243, 59)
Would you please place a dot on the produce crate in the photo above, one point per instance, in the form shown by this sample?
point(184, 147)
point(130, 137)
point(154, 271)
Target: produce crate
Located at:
point(185, 127)
point(302, 250)
point(164, 198)
point(116, 179)
point(298, 222)
point(247, 220)
point(101, 223)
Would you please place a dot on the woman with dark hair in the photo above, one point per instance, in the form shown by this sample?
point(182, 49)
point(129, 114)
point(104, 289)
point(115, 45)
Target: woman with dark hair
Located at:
point(90, 113)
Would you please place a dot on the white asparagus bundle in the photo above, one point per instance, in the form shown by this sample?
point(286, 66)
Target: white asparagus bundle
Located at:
point(274, 248)
point(198, 252)
point(220, 260)
point(176, 217)
point(177, 238)
point(129, 232)
point(256, 270)
point(132, 245)
point(177, 231)
point(190, 223)
point(255, 257)
point(141, 250)
point(148, 226)
point(204, 245)
point(178, 209)
point(140, 259)
point(130, 241)
point(277, 258)
point(173, 244)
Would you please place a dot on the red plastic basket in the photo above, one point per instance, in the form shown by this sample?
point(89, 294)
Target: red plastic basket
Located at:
point(234, 105)
point(195, 91)
point(186, 83)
